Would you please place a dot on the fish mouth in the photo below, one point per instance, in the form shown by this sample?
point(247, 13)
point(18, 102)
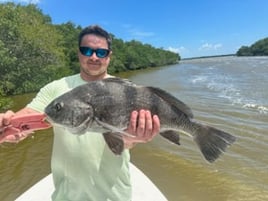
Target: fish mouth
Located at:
point(80, 129)
point(53, 123)
point(49, 119)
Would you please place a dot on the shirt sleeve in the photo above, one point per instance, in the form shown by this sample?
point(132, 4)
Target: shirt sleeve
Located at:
point(43, 97)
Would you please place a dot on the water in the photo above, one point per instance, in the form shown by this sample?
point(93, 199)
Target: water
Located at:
point(226, 92)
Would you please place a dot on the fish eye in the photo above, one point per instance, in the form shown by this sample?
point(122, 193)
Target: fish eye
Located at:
point(58, 106)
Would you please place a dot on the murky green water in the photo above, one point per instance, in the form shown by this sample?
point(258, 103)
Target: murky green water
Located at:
point(228, 93)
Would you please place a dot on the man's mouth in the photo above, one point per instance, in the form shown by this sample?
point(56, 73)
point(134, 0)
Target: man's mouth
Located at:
point(93, 64)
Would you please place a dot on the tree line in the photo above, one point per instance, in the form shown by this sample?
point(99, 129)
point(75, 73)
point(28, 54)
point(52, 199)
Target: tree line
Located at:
point(34, 51)
point(259, 48)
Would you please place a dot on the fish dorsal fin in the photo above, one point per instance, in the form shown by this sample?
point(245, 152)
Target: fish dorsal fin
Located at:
point(161, 93)
point(172, 100)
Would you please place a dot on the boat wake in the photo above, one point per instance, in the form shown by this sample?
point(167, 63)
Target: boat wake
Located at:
point(224, 86)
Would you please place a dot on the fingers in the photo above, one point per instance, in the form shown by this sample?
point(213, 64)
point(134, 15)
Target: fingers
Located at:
point(14, 138)
point(143, 125)
point(156, 123)
point(133, 122)
point(5, 118)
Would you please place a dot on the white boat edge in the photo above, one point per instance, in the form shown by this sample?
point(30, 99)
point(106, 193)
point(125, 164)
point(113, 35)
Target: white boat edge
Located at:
point(143, 188)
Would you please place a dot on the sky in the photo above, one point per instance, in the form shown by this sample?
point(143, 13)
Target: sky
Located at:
point(192, 28)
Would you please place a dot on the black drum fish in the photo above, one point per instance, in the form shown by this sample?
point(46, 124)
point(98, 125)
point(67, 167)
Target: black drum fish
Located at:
point(106, 105)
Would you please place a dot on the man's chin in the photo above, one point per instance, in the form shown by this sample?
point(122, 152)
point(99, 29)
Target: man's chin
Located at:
point(97, 72)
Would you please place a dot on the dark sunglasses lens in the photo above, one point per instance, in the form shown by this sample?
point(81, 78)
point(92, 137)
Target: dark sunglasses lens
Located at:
point(86, 51)
point(101, 53)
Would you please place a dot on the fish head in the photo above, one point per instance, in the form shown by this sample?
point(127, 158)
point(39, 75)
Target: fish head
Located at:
point(70, 112)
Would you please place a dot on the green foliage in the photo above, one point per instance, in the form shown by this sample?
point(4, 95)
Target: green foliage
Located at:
point(134, 55)
point(259, 48)
point(33, 51)
point(69, 43)
point(29, 50)
point(5, 103)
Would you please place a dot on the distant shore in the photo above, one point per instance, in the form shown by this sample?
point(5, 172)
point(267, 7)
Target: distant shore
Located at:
point(223, 55)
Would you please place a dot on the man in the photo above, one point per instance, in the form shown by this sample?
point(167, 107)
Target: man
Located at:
point(83, 167)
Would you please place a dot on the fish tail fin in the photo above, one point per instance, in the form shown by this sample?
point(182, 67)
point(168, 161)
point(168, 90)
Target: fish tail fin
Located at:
point(211, 141)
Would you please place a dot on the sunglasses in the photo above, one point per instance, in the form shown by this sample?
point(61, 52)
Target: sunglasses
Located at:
point(100, 53)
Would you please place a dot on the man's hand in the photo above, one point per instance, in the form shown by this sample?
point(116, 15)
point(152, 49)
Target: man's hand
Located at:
point(143, 126)
point(5, 118)
point(15, 127)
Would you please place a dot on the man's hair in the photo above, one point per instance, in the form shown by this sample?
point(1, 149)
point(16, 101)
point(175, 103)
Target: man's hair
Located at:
point(98, 31)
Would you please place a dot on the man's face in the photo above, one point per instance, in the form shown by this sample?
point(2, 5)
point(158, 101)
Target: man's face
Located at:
point(93, 67)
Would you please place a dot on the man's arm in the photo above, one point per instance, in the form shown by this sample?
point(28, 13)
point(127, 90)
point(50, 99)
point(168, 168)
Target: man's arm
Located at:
point(6, 117)
point(5, 120)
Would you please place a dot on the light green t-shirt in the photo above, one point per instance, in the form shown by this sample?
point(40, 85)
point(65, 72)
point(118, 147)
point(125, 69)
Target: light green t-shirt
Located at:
point(83, 167)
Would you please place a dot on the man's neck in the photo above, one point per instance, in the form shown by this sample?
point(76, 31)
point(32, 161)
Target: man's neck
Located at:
point(89, 78)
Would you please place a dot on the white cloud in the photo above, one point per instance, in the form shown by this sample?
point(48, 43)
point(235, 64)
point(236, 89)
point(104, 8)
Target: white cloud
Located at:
point(180, 49)
point(217, 46)
point(136, 33)
point(208, 46)
point(173, 49)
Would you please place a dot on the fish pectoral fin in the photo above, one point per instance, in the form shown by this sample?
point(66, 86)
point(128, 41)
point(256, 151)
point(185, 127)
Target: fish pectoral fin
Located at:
point(114, 141)
point(172, 136)
point(113, 128)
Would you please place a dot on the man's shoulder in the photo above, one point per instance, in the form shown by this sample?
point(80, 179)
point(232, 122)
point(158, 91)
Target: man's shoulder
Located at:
point(68, 80)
